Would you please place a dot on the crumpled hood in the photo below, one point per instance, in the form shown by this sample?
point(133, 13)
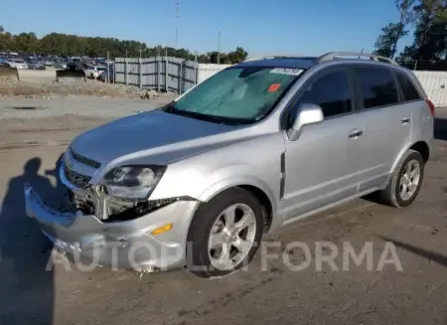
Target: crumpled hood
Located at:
point(162, 136)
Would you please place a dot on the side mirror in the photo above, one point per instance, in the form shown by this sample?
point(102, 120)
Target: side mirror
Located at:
point(307, 114)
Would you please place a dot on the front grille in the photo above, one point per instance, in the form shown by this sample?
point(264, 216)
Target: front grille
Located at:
point(78, 180)
point(84, 160)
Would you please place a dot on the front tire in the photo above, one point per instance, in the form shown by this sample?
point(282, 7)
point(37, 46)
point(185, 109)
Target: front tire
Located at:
point(224, 234)
point(405, 182)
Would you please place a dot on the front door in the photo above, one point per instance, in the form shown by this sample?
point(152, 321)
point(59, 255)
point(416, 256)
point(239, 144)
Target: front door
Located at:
point(321, 165)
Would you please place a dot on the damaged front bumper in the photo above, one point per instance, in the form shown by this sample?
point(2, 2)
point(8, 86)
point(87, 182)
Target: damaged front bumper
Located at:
point(128, 244)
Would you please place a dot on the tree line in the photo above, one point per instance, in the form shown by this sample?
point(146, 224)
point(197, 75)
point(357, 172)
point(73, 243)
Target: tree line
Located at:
point(72, 45)
point(428, 21)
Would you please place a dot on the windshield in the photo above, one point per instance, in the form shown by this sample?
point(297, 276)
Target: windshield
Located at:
point(244, 94)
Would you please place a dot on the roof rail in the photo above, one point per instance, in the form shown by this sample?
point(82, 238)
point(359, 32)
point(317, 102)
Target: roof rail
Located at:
point(333, 55)
point(270, 57)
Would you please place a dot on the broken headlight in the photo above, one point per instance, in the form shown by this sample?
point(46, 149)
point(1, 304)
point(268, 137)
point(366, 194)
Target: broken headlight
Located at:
point(132, 182)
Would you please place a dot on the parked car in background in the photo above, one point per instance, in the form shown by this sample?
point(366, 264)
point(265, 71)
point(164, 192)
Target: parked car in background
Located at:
point(18, 63)
point(32, 64)
point(35, 65)
point(104, 77)
point(49, 63)
point(94, 71)
point(76, 65)
point(60, 65)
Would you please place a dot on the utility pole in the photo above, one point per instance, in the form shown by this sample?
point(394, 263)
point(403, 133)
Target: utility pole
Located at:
point(219, 35)
point(108, 68)
point(177, 17)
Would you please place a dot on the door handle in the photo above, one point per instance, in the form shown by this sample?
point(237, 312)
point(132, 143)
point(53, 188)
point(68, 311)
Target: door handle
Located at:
point(355, 134)
point(404, 120)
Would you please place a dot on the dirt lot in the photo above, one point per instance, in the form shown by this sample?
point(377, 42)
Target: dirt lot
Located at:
point(415, 295)
point(42, 84)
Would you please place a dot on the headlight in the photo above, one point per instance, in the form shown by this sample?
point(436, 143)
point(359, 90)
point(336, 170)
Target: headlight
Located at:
point(132, 182)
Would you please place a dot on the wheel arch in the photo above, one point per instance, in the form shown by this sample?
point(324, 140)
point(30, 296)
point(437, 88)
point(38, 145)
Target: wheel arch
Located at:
point(256, 187)
point(423, 148)
point(420, 146)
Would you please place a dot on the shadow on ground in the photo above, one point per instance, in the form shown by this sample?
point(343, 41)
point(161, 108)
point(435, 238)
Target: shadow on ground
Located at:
point(26, 286)
point(431, 256)
point(441, 128)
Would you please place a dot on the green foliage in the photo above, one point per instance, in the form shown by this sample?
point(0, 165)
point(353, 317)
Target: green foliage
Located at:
point(430, 36)
point(386, 44)
point(429, 20)
point(228, 58)
point(387, 41)
point(73, 45)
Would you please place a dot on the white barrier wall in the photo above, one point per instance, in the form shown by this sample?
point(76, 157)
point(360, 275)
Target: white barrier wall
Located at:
point(435, 85)
point(206, 70)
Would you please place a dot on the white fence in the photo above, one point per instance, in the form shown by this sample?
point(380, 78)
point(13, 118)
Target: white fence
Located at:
point(434, 84)
point(207, 70)
point(163, 73)
point(159, 73)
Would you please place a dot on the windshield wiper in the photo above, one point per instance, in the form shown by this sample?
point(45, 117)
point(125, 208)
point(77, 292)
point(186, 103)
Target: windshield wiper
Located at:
point(170, 108)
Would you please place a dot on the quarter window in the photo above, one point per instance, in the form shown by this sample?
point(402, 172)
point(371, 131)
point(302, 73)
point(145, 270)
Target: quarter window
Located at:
point(408, 89)
point(331, 92)
point(378, 87)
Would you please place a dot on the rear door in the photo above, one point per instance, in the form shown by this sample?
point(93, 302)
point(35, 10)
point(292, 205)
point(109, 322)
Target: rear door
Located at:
point(387, 123)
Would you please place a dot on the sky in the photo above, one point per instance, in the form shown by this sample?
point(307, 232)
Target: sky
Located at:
point(305, 27)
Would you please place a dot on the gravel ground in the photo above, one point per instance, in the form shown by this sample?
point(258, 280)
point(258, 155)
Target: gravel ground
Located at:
point(30, 294)
point(31, 108)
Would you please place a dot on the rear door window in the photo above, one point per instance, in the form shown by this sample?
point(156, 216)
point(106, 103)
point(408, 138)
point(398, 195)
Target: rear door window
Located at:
point(378, 87)
point(408, 89)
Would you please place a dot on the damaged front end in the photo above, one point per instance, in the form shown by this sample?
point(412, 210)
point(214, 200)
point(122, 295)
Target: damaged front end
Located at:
point(94, 200)
point(104, 221)
point(122, 195)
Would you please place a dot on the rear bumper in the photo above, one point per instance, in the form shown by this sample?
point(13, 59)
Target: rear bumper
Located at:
point(128, 244)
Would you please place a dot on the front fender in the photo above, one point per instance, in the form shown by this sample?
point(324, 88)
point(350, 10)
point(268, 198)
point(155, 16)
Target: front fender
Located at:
point(240, 180)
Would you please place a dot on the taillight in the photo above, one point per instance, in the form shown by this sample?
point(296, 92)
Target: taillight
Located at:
point(431, 106)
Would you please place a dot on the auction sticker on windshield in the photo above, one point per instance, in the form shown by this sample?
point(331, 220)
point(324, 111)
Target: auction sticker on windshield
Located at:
point(288, 71)
point(273, 88)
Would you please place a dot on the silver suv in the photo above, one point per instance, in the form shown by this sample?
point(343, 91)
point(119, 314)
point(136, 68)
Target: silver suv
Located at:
point(257, 146)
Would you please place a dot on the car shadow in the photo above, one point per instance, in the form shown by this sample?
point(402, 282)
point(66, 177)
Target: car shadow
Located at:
point(440, 128)
point(431, 256)
point(27, 285)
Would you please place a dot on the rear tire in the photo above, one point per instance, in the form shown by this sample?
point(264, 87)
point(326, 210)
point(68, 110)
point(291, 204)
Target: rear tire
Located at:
point(217, 246)
point(405, 182)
